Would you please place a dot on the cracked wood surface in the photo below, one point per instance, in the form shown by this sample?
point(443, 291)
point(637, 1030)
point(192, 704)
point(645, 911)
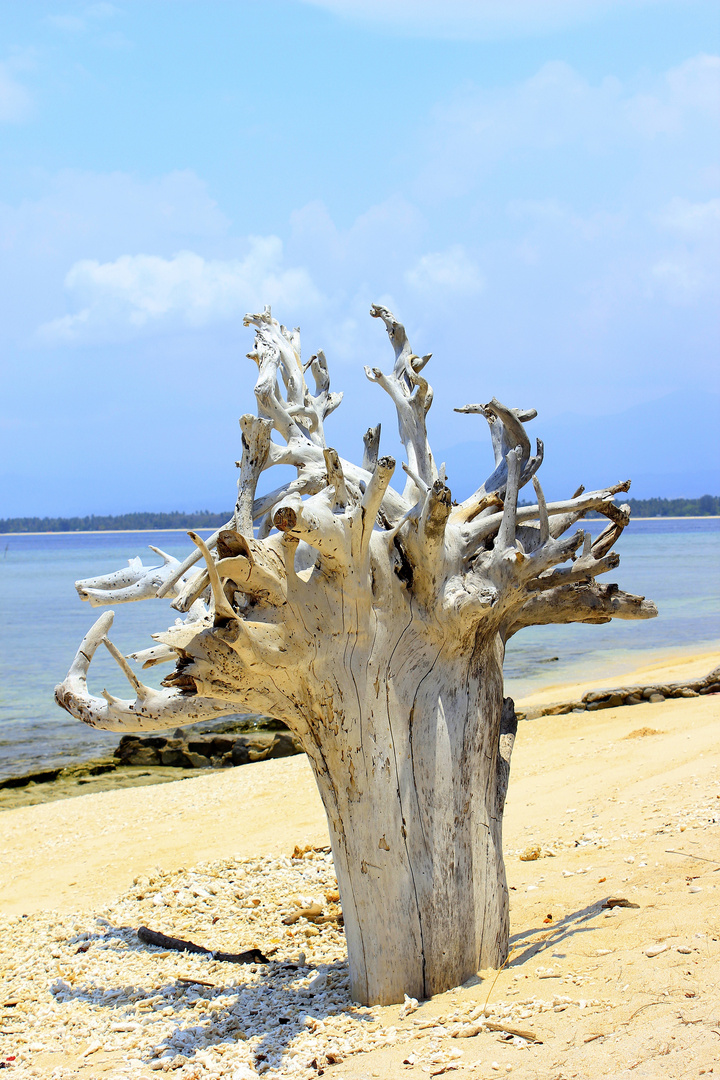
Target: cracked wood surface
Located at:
point(374, 624)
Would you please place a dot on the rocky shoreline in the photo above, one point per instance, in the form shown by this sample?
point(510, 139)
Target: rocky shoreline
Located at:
point(626, 695)
point(185, 750)
point(154, 759)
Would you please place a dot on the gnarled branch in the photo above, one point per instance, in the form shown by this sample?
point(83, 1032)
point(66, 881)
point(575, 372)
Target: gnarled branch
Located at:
point(507, 432)
point(588, 603)
point(256, 448)
point(135, 582)
point(412, 397)
point(151, 710)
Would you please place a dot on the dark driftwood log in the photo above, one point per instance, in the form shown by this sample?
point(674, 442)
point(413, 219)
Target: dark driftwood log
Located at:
point(152, 937)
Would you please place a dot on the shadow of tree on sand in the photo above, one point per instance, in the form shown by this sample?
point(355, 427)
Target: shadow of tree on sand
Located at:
point(528, 943)
point(210, 1011)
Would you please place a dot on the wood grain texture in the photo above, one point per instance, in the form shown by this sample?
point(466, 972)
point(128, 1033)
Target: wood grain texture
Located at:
point(374, 624)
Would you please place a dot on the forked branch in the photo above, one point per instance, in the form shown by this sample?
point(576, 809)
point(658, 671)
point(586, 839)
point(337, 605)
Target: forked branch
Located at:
point(412, 397)
point(256, 447)
point(151, 710)
point(507, 432)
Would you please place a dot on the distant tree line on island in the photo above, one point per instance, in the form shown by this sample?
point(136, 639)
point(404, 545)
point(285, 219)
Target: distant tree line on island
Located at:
point(705, 506)
point(200, 519)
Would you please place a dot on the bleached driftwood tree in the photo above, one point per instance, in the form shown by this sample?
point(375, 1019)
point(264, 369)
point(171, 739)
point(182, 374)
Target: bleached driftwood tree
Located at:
point(374, 624)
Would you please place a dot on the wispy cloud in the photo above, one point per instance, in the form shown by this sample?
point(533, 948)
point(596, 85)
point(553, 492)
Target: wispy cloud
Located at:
point(73, 24)
point(88, 20)
point(139, 292)
point(690, 269)
point(475, 18)
point(15, 100)
point(692, 89)
point(472, 132)
point(697, 220)
point(451, 271)
point(102, 10)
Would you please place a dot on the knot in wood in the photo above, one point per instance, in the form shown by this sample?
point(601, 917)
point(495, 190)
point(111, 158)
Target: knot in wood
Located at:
point(285, 519)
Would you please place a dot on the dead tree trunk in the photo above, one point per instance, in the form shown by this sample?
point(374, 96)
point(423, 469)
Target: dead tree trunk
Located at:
point(374, 624)
point(413, 787)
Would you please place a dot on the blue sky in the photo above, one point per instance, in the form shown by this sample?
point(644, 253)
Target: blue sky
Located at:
point(532, 187)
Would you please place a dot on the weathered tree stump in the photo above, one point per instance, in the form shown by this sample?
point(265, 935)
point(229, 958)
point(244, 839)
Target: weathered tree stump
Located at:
point(374, 624)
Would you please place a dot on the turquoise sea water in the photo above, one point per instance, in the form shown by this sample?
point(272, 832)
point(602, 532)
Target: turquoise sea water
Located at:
point(42, 621)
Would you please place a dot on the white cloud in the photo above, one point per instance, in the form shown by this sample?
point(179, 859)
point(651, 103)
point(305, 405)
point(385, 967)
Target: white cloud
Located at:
point(691, 90)
point(382, 233)
point(695, 84)
point(469, 134)
point(15, 101)
point(72, 23)
point(451, 270)
point(472, 132)
point(691, 269)
point(83, 215)
point(474, 18)
point(81, 212)
point(559, 218)
point(692, 219)
point(102, 10)
point(678, 277)
point(137, 292)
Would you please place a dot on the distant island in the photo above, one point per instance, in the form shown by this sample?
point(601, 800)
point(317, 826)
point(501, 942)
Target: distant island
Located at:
point(200, 519)
point(705, 506)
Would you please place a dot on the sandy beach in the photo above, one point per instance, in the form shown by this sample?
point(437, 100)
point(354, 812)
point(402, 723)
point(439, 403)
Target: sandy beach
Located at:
point(619, 804)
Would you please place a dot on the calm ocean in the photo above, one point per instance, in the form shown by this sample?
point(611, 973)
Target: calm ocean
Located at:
point(675, 562)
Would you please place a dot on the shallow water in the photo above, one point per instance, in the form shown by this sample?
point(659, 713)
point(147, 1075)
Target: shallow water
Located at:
point(676, 563)
point(42, 621)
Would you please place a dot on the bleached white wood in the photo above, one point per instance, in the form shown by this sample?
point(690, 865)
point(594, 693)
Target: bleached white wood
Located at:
point(374, 624)
point(133, 582)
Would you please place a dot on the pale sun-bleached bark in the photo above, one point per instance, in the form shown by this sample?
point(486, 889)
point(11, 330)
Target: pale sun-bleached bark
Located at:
point(374, 624)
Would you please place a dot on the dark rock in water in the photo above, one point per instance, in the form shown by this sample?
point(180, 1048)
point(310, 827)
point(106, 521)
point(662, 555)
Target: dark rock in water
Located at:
point(152, 759)
point(193, 751)
point(239, 755)
point(196, 761)
point(142, 755)
point(173, 757)
point(44, 777)
point(221, 745)
point(234, 724)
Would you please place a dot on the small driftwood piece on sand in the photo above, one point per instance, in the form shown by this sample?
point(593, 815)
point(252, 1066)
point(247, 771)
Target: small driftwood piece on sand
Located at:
point(691, 855)
point(519, 1033)
point(472, 1030)
point(152, 937)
